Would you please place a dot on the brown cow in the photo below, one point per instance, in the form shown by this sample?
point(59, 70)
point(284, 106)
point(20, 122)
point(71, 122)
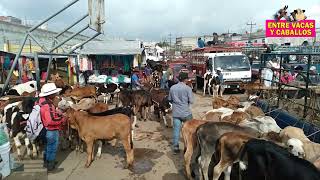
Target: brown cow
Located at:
point(188, 133)
point(98, 108)
point(91, 128)
point(232, 102)
point(82, 92)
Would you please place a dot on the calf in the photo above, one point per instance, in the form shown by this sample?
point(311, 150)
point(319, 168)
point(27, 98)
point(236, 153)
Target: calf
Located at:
point(141, 100)
point(293, 132)
point(207, 135)
point(108, 89)
point(20, 88)
point(16, 115)
point(266, 160)
point(228, 149)
point(161, 103)
point(188, 133)
point(91, 128)
point(98, 108)
point(82, 92)
point(84, 104)
point(307, 150)
point(125, 97)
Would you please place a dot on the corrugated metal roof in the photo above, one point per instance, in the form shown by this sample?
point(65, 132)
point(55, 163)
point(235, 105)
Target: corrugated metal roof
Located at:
point(112, 47)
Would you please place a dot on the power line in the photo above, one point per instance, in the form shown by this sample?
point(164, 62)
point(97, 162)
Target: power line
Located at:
point(251, 24)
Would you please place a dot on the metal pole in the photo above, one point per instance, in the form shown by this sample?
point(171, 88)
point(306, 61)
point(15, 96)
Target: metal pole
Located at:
point(48, 68)
point(14, 64)
point(307, 88)
point(36, 63)
point(35, 40)
point(77, 68)
point(279, 84)
point(69, 38)
point(20, 69)
point(69, 27)
point(50, 17)
point(97, 34)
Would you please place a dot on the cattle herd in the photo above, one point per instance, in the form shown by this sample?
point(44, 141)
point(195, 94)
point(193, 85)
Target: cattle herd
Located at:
point(235, 139)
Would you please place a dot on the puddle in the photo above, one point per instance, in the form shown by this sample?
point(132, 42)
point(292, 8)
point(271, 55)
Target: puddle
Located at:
point(143, 160)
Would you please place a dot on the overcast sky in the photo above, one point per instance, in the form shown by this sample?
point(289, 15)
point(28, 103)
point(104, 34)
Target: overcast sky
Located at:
point(156, 19)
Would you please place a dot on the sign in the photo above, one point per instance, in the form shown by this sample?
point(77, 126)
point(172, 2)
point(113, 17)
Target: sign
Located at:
point(283, 28)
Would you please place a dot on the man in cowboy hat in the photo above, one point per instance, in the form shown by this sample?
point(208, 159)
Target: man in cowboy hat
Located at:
point(181, 97)
point(52, 120)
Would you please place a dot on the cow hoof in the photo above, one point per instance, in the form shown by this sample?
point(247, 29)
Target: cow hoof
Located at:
point(87, 165)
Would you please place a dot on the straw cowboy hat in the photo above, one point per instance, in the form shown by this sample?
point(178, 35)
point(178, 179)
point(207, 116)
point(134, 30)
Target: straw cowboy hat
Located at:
point(49, 89)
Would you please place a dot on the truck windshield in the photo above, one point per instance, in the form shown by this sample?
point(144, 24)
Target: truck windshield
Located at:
point(229, 63)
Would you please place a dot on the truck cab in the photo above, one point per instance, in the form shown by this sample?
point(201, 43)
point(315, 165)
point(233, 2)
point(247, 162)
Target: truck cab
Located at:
point(235, 67)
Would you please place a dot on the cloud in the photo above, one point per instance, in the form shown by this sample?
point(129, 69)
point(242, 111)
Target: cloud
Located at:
point(156, 19)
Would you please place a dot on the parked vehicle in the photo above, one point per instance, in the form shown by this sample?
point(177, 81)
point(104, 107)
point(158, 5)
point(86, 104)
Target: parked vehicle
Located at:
point(235, 66)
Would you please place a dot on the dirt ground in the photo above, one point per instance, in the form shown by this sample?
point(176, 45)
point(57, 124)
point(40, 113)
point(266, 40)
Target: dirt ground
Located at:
point(154, 159)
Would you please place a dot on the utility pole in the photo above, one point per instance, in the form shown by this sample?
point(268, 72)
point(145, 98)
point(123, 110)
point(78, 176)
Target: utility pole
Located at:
point(251, 24)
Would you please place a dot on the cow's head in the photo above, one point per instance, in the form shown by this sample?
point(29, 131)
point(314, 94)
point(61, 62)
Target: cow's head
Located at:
point(295, 147)
point(298, 15)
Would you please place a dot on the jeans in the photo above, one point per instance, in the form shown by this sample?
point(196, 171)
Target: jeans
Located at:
point(177, 123)
point(52, 145)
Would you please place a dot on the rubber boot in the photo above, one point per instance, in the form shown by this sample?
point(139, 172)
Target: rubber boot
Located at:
point(51, 165)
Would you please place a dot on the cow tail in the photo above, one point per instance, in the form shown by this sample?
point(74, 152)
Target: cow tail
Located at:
point(131, 135)
point(194, 165)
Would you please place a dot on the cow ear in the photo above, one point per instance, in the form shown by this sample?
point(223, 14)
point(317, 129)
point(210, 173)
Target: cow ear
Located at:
point(295, 11)
point(303, 10)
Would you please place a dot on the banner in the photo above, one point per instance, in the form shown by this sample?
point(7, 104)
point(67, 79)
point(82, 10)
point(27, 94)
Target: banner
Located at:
point(283, 28)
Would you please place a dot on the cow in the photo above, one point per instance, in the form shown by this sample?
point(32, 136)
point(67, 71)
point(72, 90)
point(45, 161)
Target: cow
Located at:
point(108, 89)
point(266, 160)
point(207, 134)
point(307, 150)
point(206, 77)
point(232, 102)
point(188, 133)
point(98, 108)
point(16, 116)
point(228, 148)
point(161, 103)
point(293, 132)
point(91, 128)
point(125, 97)
point(82, 92)
point(141, 100)
point(28, 87)
point(84, 104)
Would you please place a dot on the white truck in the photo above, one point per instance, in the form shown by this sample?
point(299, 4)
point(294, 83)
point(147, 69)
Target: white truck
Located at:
point(235, 67)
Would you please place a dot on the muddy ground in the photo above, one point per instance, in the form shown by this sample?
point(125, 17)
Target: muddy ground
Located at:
point(154, 159)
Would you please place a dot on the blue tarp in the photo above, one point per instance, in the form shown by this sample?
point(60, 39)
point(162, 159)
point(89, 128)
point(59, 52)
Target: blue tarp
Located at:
point(284, 119)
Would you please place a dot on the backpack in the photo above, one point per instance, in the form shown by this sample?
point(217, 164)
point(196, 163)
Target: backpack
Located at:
point(34, 123)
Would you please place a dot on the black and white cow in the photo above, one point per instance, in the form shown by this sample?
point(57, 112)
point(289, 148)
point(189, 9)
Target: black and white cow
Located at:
point(108, 91)
point(15, 115)
point(266, 160)
point(28, 87)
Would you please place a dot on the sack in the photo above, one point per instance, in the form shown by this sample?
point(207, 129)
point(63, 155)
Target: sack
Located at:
point(34, 123)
